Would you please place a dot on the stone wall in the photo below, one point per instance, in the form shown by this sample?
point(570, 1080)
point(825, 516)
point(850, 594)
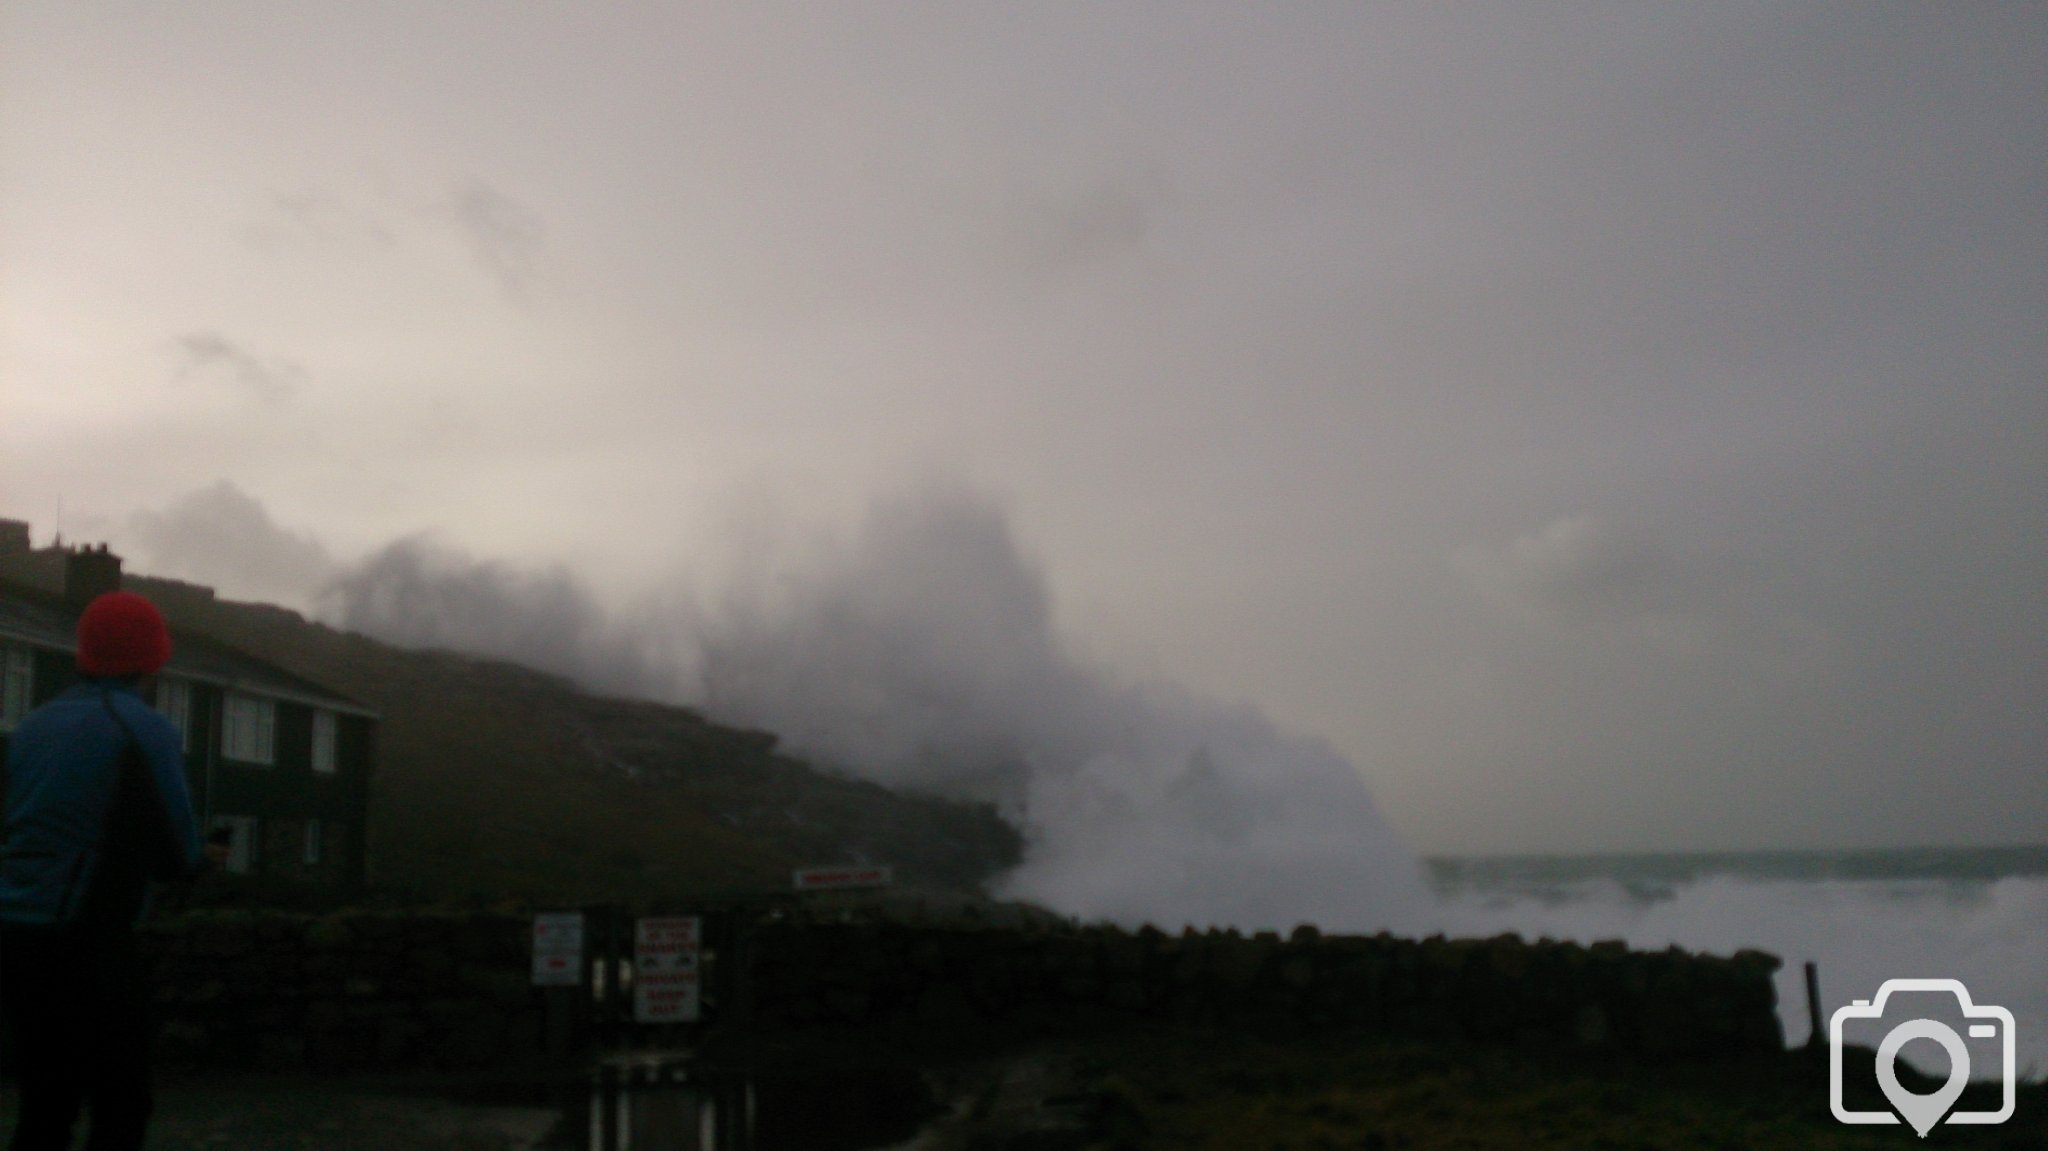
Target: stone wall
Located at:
point(362, 990)
point(350, 991)
point(1602, 997)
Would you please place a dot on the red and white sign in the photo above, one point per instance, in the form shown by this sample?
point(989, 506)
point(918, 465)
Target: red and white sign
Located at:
point(558, 949)
point(667, 977)
point(842, 878)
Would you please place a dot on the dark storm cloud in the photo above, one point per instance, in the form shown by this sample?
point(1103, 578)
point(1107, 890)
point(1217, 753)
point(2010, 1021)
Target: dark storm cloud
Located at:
point(222, 537)
point(507, 239)
point(414, 592)
point(420, 593)
point(1099, 219)
point(1856, 675)
point(1577, 567)
point(318, 216)
point(212, 356)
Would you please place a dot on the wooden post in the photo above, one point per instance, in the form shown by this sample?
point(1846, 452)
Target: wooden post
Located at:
point(613, 1008)
point(610, 1092)
point(736, 982)
point(1814, 1039)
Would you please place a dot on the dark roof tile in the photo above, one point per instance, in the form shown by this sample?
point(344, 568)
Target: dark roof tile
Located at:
point(36, 617)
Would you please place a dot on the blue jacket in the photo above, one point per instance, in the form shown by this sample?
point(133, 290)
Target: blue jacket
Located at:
point(83, 837)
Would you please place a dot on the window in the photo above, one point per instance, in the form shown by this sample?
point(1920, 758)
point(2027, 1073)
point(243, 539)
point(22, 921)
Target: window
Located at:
point(249, 729)
point(323, 743)
point(174, 701)
point(241, 843)
point(18, 696)
point(312, 856)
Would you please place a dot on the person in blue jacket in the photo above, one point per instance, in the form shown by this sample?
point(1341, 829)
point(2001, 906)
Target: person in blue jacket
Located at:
point(96, 809)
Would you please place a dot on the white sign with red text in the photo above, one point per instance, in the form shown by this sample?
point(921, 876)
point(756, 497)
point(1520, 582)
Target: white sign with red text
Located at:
point(558, 949)
point(667, 975)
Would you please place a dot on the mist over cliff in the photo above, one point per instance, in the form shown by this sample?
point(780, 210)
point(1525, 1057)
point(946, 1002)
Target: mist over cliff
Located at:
point(920, 651)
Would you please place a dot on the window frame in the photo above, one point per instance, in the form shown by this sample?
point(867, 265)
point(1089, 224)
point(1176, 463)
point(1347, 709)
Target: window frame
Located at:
point(170, 690)
point(326, 759)
point(248, 729)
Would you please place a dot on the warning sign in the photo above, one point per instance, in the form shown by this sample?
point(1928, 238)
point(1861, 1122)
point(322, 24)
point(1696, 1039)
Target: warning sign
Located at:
point(558, 949)
point(667, 981)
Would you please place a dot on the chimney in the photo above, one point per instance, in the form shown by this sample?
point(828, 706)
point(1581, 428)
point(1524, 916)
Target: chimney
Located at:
point(89, 573)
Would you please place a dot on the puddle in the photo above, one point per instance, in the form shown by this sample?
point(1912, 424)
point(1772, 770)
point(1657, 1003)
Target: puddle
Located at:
point(652, 1103)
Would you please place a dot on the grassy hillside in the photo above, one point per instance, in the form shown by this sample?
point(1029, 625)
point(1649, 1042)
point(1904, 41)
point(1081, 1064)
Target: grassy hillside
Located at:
point(496, 781)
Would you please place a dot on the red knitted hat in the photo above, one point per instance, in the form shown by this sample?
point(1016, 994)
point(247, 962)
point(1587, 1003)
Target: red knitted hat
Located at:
point(122, 634)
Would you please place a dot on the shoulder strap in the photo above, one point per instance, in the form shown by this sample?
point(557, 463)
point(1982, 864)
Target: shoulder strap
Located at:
point(107, 700)
point(118, 890)
point(136, 776)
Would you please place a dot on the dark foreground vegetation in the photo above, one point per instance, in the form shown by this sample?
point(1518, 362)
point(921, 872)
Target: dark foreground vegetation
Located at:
point(1151, 1090)
point(1141, 1092)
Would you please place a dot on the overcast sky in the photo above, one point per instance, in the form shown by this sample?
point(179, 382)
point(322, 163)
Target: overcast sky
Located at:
point(1605, 425)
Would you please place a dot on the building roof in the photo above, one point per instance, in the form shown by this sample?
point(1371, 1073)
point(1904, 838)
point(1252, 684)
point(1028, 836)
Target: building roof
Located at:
point(28, 615)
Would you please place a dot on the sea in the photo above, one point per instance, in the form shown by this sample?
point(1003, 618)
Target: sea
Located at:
point(1978, 916)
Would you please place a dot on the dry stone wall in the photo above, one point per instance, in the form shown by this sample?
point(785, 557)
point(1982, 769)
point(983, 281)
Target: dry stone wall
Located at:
point(349, 991)
point(1602, 997)
point(391, 991)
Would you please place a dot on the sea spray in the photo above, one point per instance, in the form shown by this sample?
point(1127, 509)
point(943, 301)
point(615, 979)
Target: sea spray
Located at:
point(921, 653)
